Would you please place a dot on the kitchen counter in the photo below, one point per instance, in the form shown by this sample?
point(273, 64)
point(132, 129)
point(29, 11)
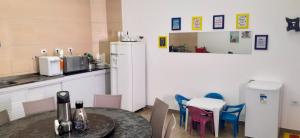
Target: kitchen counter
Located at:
point(82, 86)
point(7, 82)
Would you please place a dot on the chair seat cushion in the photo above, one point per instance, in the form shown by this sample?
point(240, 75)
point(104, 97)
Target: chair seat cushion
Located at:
point(228, 117)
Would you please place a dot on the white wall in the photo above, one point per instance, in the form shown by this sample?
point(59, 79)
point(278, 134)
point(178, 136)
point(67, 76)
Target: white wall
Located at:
point(195, 74)
point(219, 42)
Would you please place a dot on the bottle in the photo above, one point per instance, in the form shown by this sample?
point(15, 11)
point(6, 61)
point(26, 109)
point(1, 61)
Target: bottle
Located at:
point(80, 121)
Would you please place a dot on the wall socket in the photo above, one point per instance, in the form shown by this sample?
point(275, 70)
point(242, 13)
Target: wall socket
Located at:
point(295, 103)
point(44, 51)
point(56, 51)
point(70, 50)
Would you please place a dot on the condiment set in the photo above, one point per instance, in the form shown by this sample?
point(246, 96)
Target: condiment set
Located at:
point(64, 122)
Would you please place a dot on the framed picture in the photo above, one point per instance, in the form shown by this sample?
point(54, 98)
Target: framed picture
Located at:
point(176, 23)
point(261, 42)
point(234, 37)
point(246, 34)
point(242, 21)
point(218, 21)
point(162, 42)
point(197, 23)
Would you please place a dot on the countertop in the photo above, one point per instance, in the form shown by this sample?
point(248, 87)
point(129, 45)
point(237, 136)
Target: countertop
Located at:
point(11, 81)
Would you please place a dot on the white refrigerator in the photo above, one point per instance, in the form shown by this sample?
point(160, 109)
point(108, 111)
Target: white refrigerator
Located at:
point(263, 109)
point(128, 73)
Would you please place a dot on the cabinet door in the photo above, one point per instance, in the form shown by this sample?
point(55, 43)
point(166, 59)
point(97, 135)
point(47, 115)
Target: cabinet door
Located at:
point(13, 103)
point(102, 84)
point(42, 92)
point(81, 89)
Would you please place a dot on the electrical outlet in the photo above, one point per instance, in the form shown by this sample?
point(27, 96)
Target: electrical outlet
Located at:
point(56, 51)
point(70, 49)
point(44, 51)
point(294, 102)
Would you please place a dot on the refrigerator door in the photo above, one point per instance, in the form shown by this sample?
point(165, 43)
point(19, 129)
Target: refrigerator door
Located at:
point(262, 109)
point(121, 74)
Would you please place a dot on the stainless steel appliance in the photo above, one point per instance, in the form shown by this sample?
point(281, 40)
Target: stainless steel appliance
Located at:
point(64, 112)
point(75, 64)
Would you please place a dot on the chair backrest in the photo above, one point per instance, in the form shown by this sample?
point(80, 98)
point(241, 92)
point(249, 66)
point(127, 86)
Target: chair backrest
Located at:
point(38, 106)
point(237, 109)
point(241, 106)
point(196, 113)
point(4, 118)
point(158, 116)
point(214, 95)
point(170, 127)
point(179, 98)
point(109, 101)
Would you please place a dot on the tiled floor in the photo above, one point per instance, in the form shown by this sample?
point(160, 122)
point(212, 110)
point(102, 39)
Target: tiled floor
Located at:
point(180, 133)
point(224, 133)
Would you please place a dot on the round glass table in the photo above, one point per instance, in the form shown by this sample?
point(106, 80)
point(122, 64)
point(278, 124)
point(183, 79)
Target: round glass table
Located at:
point(103, 122)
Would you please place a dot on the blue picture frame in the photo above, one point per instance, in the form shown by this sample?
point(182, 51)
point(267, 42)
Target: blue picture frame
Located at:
point(176, 24)
point(216, 21)
point(261, 42)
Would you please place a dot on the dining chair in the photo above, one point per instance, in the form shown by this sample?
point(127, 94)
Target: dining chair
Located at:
point(4, 118)
point(108, 101)
point(158, 117)
point(202, 117)
point(181, 100)
point(214, 95)
point(38, 106)
point(170, 127)
point(231, 113)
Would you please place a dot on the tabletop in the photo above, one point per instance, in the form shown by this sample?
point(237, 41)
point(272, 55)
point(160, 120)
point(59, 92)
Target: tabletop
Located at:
point(127, 124)
point(206, 103)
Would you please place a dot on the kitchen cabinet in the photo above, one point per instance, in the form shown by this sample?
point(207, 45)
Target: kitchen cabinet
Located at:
point(81, 87)
point(43, 91)
point(12, 102)
point(87, 86)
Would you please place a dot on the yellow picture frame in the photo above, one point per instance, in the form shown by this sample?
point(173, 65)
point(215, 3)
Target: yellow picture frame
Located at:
point(242, 21)
point(162, 42)
point(197, 23)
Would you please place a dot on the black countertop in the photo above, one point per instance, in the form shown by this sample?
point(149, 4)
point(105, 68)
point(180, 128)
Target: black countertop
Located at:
point(35, 77)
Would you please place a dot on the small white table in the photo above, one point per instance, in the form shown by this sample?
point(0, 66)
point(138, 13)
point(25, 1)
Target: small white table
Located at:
point(210, 104)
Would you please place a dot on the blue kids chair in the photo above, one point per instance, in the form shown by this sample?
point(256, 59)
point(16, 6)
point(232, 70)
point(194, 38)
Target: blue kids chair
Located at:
point(182, 107)
point(231, 113)
point(214, 95)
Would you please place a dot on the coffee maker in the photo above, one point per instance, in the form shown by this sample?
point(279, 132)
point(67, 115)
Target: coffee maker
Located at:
point(63, 121)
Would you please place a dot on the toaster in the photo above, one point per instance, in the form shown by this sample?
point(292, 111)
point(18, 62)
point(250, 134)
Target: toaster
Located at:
point(75, 64)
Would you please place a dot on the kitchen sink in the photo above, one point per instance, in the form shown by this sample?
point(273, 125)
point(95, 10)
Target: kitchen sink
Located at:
point(5, 83)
